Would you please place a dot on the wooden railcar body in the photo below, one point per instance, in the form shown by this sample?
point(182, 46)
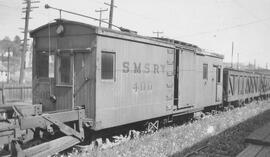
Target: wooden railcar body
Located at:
point(200, 79)
point(240, 85)
point(264, 84)
point(119, 77)
point(264, 80)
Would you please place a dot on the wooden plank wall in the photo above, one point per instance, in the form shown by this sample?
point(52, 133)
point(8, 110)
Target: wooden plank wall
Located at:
point(15, 92)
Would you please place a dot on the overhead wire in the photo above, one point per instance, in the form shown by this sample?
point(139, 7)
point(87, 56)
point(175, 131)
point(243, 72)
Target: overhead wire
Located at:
point(8, 6)
point(218, 29)
point(130, 12)
point(228, 27)
point(238, 4)
point(188, 35)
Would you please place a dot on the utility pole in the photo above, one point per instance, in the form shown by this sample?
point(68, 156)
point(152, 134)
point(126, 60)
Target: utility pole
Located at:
point(111, 12)
point(100, 15)
point(238, 61)
point(158, 32)
point(254, 63)
point(232, 56)
point(27, 11)
point(8, 71)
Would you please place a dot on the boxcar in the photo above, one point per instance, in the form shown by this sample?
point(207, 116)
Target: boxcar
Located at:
point(240, 85)
point(119, 77)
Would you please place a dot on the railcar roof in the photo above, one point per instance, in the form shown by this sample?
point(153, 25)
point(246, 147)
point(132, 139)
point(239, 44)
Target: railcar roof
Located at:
point(192, 47)
point(101, 30)
point(169, 42)
point(238, 70)
point(261, 71)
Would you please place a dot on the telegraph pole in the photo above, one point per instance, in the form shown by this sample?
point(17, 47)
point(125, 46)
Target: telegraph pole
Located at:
point(238, 61)
point(232, 55)
point(27, 11)
point(157, 32)
point(111, 12)
point(8, 75)
point(100, 15)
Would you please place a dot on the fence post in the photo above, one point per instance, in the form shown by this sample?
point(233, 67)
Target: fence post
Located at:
point(3, 96)
point(21, 92)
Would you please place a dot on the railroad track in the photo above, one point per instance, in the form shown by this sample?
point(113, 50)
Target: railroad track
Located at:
point(209, 146)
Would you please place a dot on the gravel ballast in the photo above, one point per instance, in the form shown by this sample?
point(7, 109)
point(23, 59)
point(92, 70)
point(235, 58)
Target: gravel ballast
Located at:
point(219, 135)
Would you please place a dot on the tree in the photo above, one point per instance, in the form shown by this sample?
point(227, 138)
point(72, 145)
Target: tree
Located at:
point(17, 40)
point(6, 38)
point(16, 46)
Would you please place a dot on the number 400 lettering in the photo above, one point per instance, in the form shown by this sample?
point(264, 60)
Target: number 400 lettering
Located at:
point(142, 86)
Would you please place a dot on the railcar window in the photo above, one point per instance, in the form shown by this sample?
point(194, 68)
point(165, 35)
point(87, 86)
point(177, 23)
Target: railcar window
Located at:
point(64, 69)
point(218, 75)
point(205, 71)
point(107, 65)
point(42, 64)
point(51, 66)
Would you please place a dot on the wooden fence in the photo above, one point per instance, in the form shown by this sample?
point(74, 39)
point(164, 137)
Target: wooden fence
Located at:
point(15, 92)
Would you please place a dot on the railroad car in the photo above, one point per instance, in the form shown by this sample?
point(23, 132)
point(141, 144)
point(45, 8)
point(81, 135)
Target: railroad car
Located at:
point(265, 81)
point(240, 85)
point(265, 85)
point(111, 72)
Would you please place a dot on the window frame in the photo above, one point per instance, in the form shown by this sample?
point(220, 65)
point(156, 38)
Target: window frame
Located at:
point(37, 63)
point(113, 79)
point(58, 57)
point(205, 73)
point(218, 73)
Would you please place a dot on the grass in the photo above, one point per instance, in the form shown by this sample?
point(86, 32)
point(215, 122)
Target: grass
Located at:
point(217, 135)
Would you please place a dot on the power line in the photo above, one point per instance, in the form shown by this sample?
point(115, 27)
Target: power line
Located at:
point(248, 11)
point(228, 28)
point(130, 12)
point(8, 6)
point(70, 12)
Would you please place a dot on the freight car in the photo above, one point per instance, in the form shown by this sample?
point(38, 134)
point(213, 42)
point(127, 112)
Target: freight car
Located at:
point(110, 72)
point(87, 79)
point(241, 86)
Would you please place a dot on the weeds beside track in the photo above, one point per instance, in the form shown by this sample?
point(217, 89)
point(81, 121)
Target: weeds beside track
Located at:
point(220, 134)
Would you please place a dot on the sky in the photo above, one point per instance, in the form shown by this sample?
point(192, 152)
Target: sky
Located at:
point(210, 24)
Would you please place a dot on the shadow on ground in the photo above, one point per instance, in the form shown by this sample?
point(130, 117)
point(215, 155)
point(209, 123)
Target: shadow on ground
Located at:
point(228, 143)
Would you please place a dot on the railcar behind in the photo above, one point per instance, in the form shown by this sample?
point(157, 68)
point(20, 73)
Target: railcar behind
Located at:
point(244, 85)
point(240, 85)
